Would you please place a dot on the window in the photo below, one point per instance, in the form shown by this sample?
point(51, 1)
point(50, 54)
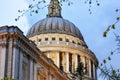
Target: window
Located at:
point(60, 39)
point(39, 40)
point(73, 42)
point(46, 39)
point(53, 38)
point(67, 40)
point(78, 43)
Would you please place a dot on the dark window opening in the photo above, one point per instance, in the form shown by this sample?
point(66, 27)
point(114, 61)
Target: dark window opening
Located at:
point(78, 43)
point(73, 42)
point(39, 40)
point(53, 38)
point(60, 39)
point(46, 39)
point(67, 40)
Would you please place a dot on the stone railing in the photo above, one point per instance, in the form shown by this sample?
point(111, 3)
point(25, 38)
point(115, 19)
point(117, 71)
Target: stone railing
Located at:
point(62, 43)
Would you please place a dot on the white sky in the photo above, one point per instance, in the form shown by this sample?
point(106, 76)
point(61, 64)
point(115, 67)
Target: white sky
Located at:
point(91, 26)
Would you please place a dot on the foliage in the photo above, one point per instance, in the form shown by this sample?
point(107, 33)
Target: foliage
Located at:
point(34, 8)
point(80, 72)
point(112, 26)
point(110, 73)
point(7, 79)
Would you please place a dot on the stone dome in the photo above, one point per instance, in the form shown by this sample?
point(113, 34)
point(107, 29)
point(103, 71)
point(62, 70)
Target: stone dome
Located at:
point(54, 25)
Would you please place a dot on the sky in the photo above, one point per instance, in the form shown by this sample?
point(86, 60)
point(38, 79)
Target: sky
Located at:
point(91, 26)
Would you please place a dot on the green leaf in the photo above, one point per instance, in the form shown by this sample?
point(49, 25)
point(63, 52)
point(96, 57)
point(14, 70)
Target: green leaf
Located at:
point(108, 29)
point(90, 2)
point(111, 53)
point(101, 64)
point(30, 6)
point(109, 58)
point(104, 61)
point(63, 0)
point(98, 4)
point(105, 34)
point(44, 1)
point(113, 26)
point(19, 11)
point(113, 72)
point(118, 70)
point(16, 19)
point(117, 10)
point(69, 4)
point(36, 11)
point(118, 18)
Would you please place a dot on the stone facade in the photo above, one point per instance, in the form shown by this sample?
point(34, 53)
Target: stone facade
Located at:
point(53, 51)
point(67, 51)
point(22, 60)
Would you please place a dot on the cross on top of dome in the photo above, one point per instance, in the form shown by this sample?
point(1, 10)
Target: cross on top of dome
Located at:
point(54, 9)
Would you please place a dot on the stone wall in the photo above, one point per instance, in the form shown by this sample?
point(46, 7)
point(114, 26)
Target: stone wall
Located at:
point(22, 60)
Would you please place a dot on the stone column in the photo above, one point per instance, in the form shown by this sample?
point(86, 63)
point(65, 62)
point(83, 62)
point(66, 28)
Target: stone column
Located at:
point(76, 61)
point(83, 60)
point(67, 62)
point(31, 69)
point(90, 68)
point(2, 62)
point(9, 58)
point(20, 66)
point(58, 59)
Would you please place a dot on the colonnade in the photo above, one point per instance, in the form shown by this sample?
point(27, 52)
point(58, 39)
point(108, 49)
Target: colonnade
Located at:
point(69, 64)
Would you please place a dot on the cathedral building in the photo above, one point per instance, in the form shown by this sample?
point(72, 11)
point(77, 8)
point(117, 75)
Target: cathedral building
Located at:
point(51, 50)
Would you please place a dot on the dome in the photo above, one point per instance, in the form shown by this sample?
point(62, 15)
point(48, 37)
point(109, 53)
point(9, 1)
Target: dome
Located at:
point(54, 25)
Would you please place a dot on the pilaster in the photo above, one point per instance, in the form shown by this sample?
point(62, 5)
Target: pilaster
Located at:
point(15, 62)
point(2, 62)
point(35, 72)
point(31, 69)
point(9, 58)
point(20, 66)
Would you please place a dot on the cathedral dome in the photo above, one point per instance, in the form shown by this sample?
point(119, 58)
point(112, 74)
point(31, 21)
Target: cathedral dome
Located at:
point(54, 25)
